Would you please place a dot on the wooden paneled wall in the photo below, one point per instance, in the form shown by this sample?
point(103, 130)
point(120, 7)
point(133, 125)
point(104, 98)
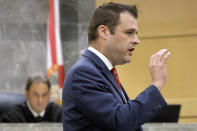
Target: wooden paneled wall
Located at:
point(170, 24)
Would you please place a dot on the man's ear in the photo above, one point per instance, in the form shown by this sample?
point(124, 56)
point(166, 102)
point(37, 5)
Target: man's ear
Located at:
point(26, 93)
point(50, 92)
point(103, 32)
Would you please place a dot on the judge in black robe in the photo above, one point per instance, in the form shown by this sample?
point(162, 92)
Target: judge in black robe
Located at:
point(22, 114)
point(37, 108)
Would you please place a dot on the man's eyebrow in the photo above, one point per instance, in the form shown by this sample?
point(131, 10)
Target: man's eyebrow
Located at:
point(132, 30)
point(45, 93)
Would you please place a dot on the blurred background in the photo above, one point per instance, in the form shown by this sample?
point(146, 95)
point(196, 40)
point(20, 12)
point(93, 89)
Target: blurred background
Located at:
point(170, 24)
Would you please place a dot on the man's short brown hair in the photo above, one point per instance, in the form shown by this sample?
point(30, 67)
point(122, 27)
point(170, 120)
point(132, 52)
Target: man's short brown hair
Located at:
point(108, 15)
point(37, 79)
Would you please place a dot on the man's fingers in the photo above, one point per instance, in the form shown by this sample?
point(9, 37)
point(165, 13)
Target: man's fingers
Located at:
point(161, 52)
point(156, 58)
point(166, 57)
point(152, 60)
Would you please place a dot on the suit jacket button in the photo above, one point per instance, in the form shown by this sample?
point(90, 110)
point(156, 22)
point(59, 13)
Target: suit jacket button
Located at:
point(156, 108)
point(159, 106)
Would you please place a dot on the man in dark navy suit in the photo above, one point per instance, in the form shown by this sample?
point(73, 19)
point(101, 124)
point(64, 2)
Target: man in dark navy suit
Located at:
point(93, 97)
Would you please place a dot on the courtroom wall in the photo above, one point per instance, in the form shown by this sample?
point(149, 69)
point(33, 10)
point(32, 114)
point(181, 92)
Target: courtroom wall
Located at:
point(162, 24)
point(23, 25)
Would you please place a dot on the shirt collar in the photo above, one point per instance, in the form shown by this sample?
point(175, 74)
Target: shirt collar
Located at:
point(35, 114)
point(102, 57)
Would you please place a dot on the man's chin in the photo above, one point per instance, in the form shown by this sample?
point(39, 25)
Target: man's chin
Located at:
point(128, 60)
point(40, 109)
point(124, 62)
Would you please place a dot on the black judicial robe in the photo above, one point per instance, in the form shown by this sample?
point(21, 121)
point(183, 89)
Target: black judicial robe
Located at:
point(22, 114)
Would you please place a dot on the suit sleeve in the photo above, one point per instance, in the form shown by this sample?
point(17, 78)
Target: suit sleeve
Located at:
point(96, 101)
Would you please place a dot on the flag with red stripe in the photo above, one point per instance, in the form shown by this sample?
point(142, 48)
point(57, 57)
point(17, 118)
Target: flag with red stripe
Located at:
point(55, 67)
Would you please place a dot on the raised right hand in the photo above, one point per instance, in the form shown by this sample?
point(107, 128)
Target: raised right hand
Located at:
point(157, 68)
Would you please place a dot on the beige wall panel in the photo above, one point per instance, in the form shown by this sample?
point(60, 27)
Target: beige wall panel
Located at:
point(164, 18)
point(187, 120)
point(182, 64)
point(169, 17)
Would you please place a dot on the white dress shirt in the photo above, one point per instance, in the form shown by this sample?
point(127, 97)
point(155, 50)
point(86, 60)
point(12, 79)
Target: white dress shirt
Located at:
point(106, 62)
point(102, 57)
point(35, 114)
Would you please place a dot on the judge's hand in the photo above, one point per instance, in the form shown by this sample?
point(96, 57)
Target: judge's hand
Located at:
point(158, 68)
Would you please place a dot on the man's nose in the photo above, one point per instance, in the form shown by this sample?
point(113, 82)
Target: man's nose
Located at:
point(136, 40)
point(40, 99)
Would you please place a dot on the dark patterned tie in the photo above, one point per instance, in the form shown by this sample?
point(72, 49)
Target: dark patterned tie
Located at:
point(38, 119)
point(115, 74)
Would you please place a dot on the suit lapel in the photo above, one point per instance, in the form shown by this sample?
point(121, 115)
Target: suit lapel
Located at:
point(126, 96)
point(115, 85)
point(107, 73)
